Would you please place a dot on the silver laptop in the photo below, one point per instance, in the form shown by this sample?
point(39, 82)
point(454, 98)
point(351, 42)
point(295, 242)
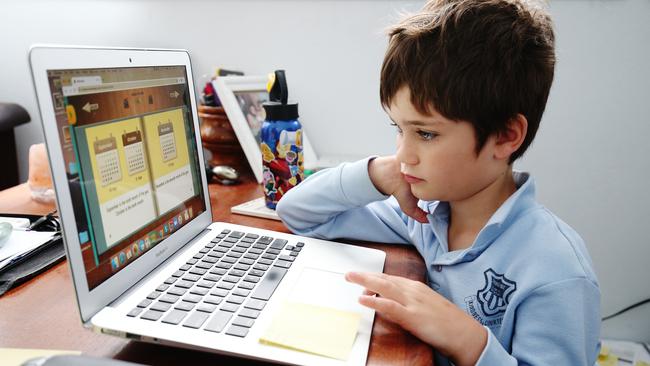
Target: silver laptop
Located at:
point(147, 261)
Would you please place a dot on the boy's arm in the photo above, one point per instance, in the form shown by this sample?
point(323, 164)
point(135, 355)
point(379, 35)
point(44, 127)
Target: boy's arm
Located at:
point(343, 202)
point(558, 324)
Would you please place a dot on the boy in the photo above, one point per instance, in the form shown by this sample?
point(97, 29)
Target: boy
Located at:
point(465, 83)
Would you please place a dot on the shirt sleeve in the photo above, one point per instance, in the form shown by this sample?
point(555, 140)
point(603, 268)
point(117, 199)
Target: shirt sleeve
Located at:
point(342, 202)
point(558, 324)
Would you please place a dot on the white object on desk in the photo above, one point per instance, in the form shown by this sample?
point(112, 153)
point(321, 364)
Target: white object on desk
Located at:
point(21, 242)
point(256, 208)
point(16, 222)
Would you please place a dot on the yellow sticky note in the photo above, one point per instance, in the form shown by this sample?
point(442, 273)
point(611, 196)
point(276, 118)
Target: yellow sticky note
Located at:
point(608, 360)
point(314, 329)
point(641, 363)
point(16, 356)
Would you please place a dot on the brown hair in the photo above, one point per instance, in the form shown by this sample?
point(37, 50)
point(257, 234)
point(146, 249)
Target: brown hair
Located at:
point(482, 61)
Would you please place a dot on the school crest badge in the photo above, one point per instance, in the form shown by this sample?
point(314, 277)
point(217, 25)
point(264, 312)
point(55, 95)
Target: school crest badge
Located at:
point(495, 296)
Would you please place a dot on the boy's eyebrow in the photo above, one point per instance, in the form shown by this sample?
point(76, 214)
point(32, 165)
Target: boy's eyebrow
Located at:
point(420, 123)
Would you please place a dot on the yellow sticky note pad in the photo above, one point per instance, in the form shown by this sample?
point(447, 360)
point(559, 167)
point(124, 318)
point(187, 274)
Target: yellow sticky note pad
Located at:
point(16, 356)
point(314, 329)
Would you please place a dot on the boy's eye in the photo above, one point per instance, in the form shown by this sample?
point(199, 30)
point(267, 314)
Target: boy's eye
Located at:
point(427, 136)
point(399, 130)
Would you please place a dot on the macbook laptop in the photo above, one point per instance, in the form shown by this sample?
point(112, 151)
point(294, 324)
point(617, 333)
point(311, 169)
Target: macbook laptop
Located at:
point(147, 261)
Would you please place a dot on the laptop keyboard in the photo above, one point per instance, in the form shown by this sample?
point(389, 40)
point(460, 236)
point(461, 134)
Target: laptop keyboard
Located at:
point(228, 281)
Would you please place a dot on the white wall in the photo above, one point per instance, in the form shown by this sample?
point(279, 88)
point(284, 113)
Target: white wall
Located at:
point(589, 159)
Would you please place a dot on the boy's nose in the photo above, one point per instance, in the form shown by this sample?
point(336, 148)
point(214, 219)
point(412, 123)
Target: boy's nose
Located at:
point(405, 154)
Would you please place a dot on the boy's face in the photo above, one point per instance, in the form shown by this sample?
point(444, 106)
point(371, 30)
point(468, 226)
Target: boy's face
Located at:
point(438, 155)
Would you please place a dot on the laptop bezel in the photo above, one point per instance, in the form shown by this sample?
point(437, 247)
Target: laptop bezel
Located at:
point(47, 57)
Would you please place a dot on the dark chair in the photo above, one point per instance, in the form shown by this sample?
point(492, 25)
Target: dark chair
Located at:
point(11, 115)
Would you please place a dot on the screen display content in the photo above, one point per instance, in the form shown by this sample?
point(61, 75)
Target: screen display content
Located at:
point(129, 146)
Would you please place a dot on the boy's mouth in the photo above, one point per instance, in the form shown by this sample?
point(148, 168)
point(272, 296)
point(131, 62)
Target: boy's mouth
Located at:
point(411, 179)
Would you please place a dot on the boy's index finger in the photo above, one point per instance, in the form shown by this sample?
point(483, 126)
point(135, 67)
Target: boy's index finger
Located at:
point(378, 283)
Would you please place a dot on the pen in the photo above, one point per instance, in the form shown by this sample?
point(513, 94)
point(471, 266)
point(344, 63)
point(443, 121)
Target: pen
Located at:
point(40, 220)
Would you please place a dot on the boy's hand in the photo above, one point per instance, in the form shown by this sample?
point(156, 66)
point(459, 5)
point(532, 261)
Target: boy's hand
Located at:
point(386, 176)
point(424, 313)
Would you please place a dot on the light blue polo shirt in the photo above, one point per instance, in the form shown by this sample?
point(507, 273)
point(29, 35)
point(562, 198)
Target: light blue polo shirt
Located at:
point(527, 278)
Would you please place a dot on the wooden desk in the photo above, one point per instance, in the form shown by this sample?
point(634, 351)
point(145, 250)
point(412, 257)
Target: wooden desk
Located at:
point(42, 313)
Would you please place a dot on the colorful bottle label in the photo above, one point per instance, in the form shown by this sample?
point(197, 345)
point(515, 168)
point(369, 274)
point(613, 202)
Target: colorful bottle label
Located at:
point(282, 159)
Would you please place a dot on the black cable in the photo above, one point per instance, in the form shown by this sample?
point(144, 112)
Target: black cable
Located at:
point(626, 309)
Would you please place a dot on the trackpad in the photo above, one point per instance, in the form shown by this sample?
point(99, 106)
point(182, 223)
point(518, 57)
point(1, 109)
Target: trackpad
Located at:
point(325, 288)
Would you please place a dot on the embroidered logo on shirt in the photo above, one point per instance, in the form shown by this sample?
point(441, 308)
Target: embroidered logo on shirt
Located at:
point(491, 301)
point(495, 296)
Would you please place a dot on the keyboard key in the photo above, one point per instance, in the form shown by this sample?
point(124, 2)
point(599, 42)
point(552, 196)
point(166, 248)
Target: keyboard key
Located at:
point(191, 277)
point(254, 272)
point(289, 247)
point(206, 308)
point(252, 279)
point(298, 249)
point(293, 254)
point(223, 265)
point(236, 273)
point(218, 271)
point(154, 295)
point(219, 292)
point(192, 298)
point(204, 265)
point(178, 291)
point(246, 261)
point(229, 240)
point(261, 267)
point(185, 306)
point(185, 267)
point(251, 256)
point(144, 303)
point(229, 260)
point(247, 240)
point(230, 307)
point(273, 251)
point(199, 290)
point(161, 306)
point(210, 245)
point(259, 246)
point(265, 240)
point(256, 251)
point(236, 234)
point(221, 250)
point(268, 262)
point(204, 250)
point(198, 271)
point(169, 298)
point(162, 287)
point(198, 256)
point(174, 317)
point(234, 254)
point(206, 284)
point(152, 315)
point(225, 231)
point(283, 264)
point(241, 292)
point(300, 244)
point(218, 321)
point(210, 260)
point(235, 299)
point(191, 261)
point(134, 312)
point(170, 280)
point(237, 250)
point(252, 236)
point(242, 267)
point(246, 285)
point(196, 319)
point(268, 284)
point(215, 254)
point(226, 285)
point(269, 256)
point(178, 273)
point(184, 284)
point(286, 258)
point(231, 279)
point(249, 313)
point(278, 243)
point(243, 244)
point(214, 300)
point(237, 331)
point(255, 304)
point(243, 322)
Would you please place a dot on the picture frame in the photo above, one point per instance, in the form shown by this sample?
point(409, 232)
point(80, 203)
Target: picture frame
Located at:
point(242, 98)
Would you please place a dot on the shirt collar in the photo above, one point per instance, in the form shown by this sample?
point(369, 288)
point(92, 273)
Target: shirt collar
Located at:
point(522, 199)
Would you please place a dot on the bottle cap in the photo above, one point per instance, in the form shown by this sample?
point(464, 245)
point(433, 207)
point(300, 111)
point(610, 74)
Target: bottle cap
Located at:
point(278, 108)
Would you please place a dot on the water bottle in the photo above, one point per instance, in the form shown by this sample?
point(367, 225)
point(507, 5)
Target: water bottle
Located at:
point(281, 144)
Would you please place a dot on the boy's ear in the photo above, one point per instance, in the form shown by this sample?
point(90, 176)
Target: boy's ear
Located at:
point(508, 141)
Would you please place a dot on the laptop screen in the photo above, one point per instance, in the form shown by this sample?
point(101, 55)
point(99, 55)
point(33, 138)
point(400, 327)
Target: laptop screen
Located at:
point(132, 163)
